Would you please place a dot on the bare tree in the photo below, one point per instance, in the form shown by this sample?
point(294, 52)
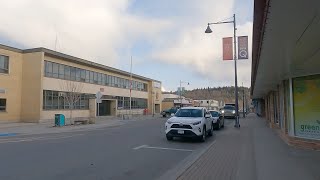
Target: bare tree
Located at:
point(72, 94)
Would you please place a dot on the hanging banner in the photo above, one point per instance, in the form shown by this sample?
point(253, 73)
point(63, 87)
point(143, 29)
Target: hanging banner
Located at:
point(227, 48)
point(243, 47)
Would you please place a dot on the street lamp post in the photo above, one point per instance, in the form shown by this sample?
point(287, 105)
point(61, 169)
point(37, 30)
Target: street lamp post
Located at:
point(243, 100)
point(181, 91)
point(208, 30)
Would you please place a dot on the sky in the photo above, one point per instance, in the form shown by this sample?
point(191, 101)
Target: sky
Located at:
point(165, 38)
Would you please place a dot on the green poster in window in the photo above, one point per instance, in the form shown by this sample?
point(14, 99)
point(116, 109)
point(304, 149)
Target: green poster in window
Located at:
point(306, 104)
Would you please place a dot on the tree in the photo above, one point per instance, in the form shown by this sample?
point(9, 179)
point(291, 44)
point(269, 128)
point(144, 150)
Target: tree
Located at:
point(71, 94)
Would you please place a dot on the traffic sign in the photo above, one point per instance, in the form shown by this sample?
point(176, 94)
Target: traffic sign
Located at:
point(98, 96)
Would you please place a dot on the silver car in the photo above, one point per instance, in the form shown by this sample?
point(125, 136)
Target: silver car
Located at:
point(229, 112)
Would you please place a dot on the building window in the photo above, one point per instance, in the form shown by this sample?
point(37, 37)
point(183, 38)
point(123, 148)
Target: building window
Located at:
point(3, 104)
point(91, 77)
point(61, 71)
point(48, 69)
point(78, 74)
point(55, 70)
point(67, 75)
point(4, 64)
point(83, 75)
point(136, 103)
point(87, 76)
point(53, 100)
point(99, 78)
point(73, 73)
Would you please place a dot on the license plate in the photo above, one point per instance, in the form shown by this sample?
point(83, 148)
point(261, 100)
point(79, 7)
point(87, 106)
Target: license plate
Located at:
point(180, 132)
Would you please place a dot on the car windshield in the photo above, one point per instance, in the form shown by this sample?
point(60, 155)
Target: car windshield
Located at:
point(229, 107)
point(214, 113)
point(189, 113)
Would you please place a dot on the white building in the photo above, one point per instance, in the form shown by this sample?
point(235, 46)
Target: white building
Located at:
point(210, 104)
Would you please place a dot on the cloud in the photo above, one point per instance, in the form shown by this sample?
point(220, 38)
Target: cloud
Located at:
point(105, 31)
point(201, 53)
point(92, 30)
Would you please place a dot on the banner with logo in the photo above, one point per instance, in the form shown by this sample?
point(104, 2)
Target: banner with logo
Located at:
point(227, 48)
point(306, 104)
point(243, 47)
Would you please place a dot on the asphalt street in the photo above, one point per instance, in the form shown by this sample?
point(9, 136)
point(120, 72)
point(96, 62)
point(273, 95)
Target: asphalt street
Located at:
point(135, 150)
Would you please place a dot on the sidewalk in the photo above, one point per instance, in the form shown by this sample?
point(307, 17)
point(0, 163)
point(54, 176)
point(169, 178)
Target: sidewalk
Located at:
point(253, 152)
point(13, 129)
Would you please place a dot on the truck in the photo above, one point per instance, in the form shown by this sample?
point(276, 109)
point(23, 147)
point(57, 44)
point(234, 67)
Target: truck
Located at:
point(168, 112)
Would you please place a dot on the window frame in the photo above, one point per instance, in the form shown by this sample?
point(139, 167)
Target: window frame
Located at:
point(5, 59)
point(4, 106)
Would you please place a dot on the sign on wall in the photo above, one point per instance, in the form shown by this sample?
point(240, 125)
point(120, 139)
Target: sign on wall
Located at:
point(243, 47)
point(227, 48)
point(306, 95)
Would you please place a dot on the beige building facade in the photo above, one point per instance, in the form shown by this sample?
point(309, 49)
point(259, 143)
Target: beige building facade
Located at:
point(35, 84)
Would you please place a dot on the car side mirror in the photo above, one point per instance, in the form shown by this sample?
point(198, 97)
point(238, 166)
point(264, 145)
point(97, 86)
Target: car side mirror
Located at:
point(207, 116)
point(172, 114)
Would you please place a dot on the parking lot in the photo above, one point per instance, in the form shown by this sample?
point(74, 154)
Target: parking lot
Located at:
point(137, 149)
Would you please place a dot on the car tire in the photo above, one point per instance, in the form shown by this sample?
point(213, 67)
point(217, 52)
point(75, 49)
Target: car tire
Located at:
point(164, 115)
point(222, 126)
point(203, 136)
point(210, 133)
point(218, 125)
point(169, 138)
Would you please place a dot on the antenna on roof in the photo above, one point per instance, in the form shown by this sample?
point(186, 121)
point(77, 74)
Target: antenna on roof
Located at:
point(55, 43)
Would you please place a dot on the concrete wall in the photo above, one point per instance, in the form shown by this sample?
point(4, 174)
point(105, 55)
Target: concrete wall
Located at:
point(49, 115)
point(11, 83)
point(32, 87)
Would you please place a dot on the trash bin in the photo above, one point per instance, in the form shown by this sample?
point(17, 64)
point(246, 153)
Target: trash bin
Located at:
point(59, 120)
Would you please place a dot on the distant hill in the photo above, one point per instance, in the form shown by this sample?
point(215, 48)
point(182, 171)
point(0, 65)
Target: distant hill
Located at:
point(224, 94)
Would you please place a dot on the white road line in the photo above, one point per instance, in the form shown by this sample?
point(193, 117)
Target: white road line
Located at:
point(161, 148)
point(38, 138)
point(139, 147)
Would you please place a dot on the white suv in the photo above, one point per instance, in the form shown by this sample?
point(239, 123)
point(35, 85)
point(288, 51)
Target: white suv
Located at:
point(193, 122)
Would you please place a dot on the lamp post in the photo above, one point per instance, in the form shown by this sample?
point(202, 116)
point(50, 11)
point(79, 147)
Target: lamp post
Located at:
point(181, 91)
point(208, 30)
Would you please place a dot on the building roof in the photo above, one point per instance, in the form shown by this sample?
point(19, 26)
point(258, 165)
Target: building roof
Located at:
point(55, 54)
point(259, 20)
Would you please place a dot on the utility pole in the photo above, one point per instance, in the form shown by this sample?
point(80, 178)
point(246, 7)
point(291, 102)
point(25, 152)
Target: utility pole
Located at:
point(130, 85)
point(180, 95)
point(243, 99)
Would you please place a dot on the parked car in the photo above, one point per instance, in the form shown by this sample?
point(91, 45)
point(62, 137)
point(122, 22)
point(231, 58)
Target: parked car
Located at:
point(168, 112)
point(191, 122)
point(229, 112)
point(218, 119)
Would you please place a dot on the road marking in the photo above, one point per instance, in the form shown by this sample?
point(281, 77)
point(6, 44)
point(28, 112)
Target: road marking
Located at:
point(161, 148)
point(37, 138)
point(139, 147)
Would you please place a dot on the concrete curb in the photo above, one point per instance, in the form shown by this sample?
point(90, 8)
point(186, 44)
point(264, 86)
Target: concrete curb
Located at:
point(176, 172)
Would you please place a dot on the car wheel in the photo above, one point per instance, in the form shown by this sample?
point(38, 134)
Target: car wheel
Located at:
point(218, 125)
point(204, 133)
point(169, 138)
point(164, 115)
point(211, 131)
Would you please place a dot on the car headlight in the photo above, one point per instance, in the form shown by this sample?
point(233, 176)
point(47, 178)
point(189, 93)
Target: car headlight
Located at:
point(222, 111)
point(233, 111)
point(196, 123)
point(169, 122)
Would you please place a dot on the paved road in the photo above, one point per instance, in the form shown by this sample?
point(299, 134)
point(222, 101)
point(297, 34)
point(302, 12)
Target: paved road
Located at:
point(136, 150)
